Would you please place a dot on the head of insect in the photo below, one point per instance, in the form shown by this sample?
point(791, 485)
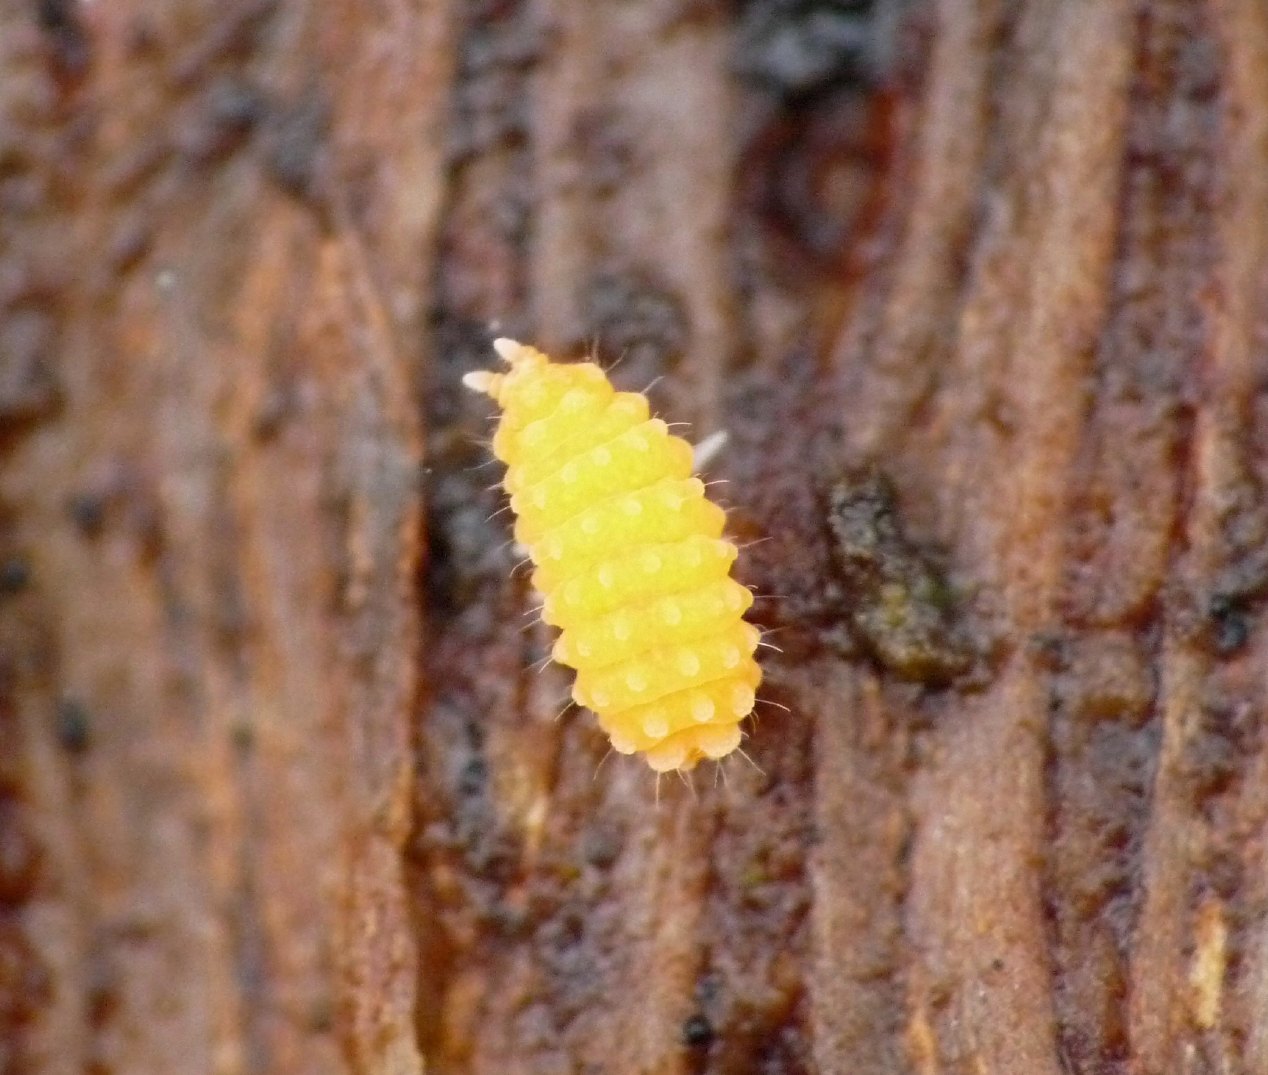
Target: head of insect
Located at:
point(534, 387)
point(523, 362)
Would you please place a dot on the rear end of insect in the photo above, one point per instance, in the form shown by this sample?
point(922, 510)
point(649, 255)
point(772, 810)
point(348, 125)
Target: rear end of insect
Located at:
point(629, 557)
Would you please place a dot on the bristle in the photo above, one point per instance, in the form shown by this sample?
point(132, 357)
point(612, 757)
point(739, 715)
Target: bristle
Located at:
point(707, 450)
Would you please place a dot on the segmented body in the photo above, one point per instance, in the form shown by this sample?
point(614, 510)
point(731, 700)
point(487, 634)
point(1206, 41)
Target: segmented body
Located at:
point(629, 555)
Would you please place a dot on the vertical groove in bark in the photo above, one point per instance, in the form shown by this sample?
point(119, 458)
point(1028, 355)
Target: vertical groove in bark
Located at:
point(1229, 1009)
point(1190, 927)
point(227, 613)
point(894, 363)
point(1029, 319)
point(858, 883)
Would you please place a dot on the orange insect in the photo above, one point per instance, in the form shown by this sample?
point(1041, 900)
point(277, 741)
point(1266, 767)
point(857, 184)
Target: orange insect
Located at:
point(629, 556)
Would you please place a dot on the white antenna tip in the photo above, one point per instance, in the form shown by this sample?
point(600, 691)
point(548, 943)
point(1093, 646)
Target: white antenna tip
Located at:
point(478, 380)
point(507, 349)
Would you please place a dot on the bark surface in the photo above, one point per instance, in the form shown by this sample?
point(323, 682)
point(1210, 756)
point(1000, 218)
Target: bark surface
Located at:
point(979, 291)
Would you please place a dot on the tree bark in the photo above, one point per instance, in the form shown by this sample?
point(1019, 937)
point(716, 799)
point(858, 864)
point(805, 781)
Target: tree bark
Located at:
point(977, 290)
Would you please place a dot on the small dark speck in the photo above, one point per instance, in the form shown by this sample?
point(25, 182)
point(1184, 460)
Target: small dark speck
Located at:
point(1049, 650)
point(59, 19)
point(275, 408)
point(15, 576)
point(54, 15)
point(142, 38)
point(1230, 629)
point(1226, 875)
point(321, 1014)
point(601, 847)
point(88, 512)
point(296, 143)
point(474, 776)
point(243, 737)
point(236, 104)
point(72, 725)
point(29, 386)
point(708, 989)
point(130, 242)
point(226, 113)
point(793, 46)
point(697, 1033)
point(508, 921)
